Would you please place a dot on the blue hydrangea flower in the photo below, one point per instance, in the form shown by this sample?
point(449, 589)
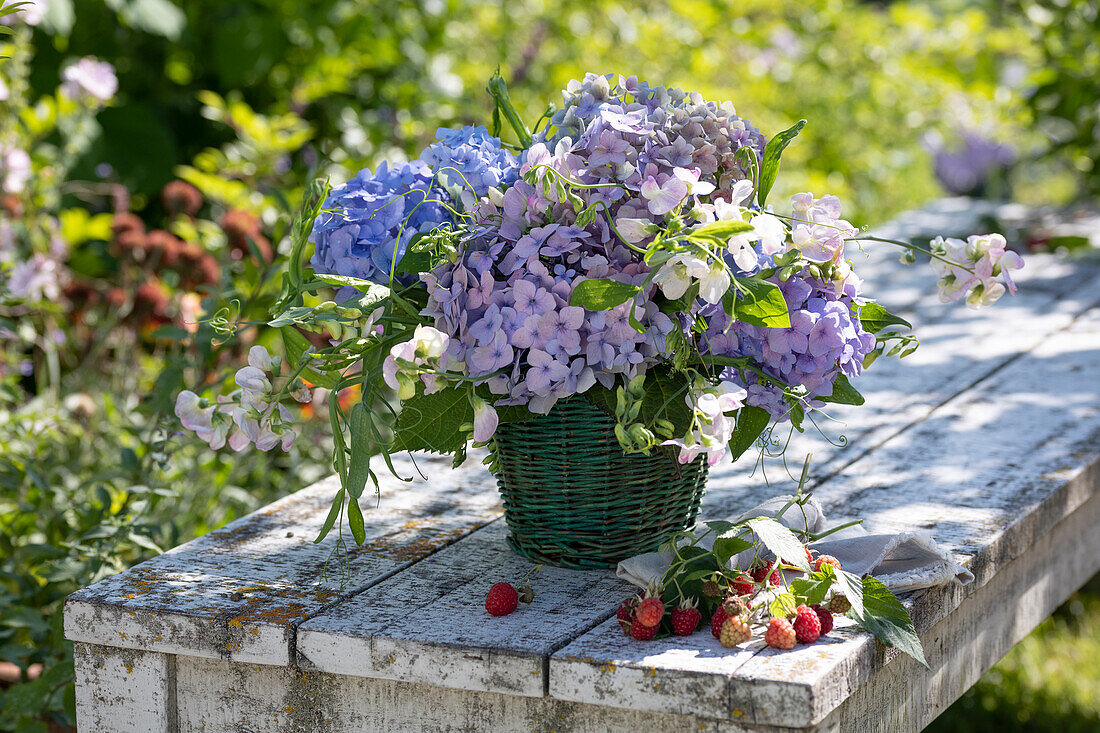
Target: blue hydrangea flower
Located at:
point(366, 219)
point(473, 153)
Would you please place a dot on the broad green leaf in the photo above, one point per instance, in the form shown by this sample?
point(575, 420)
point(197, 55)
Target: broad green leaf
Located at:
point(851, 587)
point(359, 423)
point(811, 590)
point(781, 541)
point(599, 294)
point(769, 167)
point(431, 422)
point(664, 398)
point(884, 616)
point(873, 317)
point(844, 393)
point(751, 422)
point(783, 605)
point(296, 346)
point(762, 304)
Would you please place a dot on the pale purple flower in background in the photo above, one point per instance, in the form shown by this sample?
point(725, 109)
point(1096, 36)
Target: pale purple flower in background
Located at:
point(252, 379)
point(663, 198)
point(89, 79)
point(36, 279)
point(15, 169)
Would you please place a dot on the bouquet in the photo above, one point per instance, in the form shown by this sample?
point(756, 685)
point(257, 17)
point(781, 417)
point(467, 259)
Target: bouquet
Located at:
point(625, 252)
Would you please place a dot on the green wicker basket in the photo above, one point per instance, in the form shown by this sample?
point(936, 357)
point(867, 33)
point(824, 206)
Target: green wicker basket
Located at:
point(573, 498)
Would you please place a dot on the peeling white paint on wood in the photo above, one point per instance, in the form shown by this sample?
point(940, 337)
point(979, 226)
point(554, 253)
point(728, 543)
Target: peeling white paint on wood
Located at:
point(123, 690)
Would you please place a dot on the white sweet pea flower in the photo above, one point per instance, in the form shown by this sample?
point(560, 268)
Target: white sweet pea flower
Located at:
point(391, 370)
point(676, 275)
point(261, 359)
point(252, 379)
point(731, 396)
point(771, 232)
point(695, 187)
point(714, 283)
point(191, 413)
point(743, 251)
point(485, 420)
point(430, 342)
point(634, 230)
point(741, 192)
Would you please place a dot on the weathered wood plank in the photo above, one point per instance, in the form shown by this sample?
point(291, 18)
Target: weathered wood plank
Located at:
point(237, 592)
point(989, 473)
point(429, 624)
point(123, 690)
point(215, 695)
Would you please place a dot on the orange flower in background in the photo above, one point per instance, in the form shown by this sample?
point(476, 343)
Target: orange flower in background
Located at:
point(180, 197)
point(241, 227)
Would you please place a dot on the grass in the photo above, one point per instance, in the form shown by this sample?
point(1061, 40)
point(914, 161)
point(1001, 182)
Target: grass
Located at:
point(1050, 681)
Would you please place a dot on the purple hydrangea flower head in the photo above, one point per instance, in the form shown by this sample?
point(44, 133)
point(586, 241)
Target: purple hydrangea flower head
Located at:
point(367, 223)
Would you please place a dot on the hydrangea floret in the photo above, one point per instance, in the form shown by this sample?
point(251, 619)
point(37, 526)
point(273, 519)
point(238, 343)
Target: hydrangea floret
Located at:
point(625, 253)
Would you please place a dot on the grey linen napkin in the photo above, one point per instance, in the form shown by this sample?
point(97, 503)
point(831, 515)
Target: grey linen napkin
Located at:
point(903, 561)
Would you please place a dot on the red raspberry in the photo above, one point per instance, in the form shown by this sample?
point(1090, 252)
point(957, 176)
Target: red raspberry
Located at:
point(780, 634)
point(758, 574)
point(626, 613)
point(734, 631)
point(717, 620)
point(827, 560)
point(685, 620)
point(502, 599)
point(641, 632)
point(825, 618)
point(809, 556)
point(650, 611)
point(742, 585)
point(807, 626)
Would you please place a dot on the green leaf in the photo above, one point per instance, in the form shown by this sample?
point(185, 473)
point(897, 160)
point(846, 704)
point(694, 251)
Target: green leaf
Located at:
point(843, 393)
point(811, 590)
point(751, 422)
point(664, 398)
point(762, 304)
point(431, 422)
point(333, 514)
point(359, 423)
point(784, 605)
point(719, 231)
point(727, 545)
point(851, 587)
point(600, 294)
point(769, 168)
point(343, 281)
point(296, 346)
point(873, 317)
point(884, 616)
point(781, 540)
point(355, 521)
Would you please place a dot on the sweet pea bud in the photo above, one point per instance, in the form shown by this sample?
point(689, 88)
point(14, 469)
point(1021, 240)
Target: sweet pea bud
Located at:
point(348, 312)
point(636, 386)
point(907, 257)
point(325, 307)
point(634, 409)
point(620, 434)
point(334, 329)
point(407, 388)
point(815, 272)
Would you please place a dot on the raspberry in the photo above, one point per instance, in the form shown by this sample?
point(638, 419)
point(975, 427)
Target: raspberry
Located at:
point(685, 619)
point(502, 599)
point(735, 606)
point(825, 618)
point(717, 621)
point(650, 611)
point(759, 573)
point(626, 613)
point(734, 632)
point(827, 560)
point(809, 556)
point(742, 585)
point(807, 626)
point(711, 589)
point(641, 632)
point(839, 604)
point(780, 634)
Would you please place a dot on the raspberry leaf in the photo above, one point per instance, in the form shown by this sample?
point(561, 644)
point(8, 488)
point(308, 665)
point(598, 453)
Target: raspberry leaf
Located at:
point(781, 541)
point(851, 587)
point(884, 616)
point(811, 590)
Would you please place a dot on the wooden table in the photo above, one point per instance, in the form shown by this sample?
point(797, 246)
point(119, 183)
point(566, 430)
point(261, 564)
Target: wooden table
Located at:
point(989, 436)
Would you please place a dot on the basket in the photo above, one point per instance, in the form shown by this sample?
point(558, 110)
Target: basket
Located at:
point(573, 498)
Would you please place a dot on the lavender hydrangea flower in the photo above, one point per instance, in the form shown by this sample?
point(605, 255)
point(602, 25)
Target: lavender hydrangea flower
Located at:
point(367, 223)
point(89, 79)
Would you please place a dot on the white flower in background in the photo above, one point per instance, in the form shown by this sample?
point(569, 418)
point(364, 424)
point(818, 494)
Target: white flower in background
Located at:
point(430, 342)
point(695, 187)
point(979, 269)
point(15, 169)
point(426, 345)
point(89, 79)
point(634, 230)
point(676, 275)
point(259, 358)
point(712, 426)
point(252, 379)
